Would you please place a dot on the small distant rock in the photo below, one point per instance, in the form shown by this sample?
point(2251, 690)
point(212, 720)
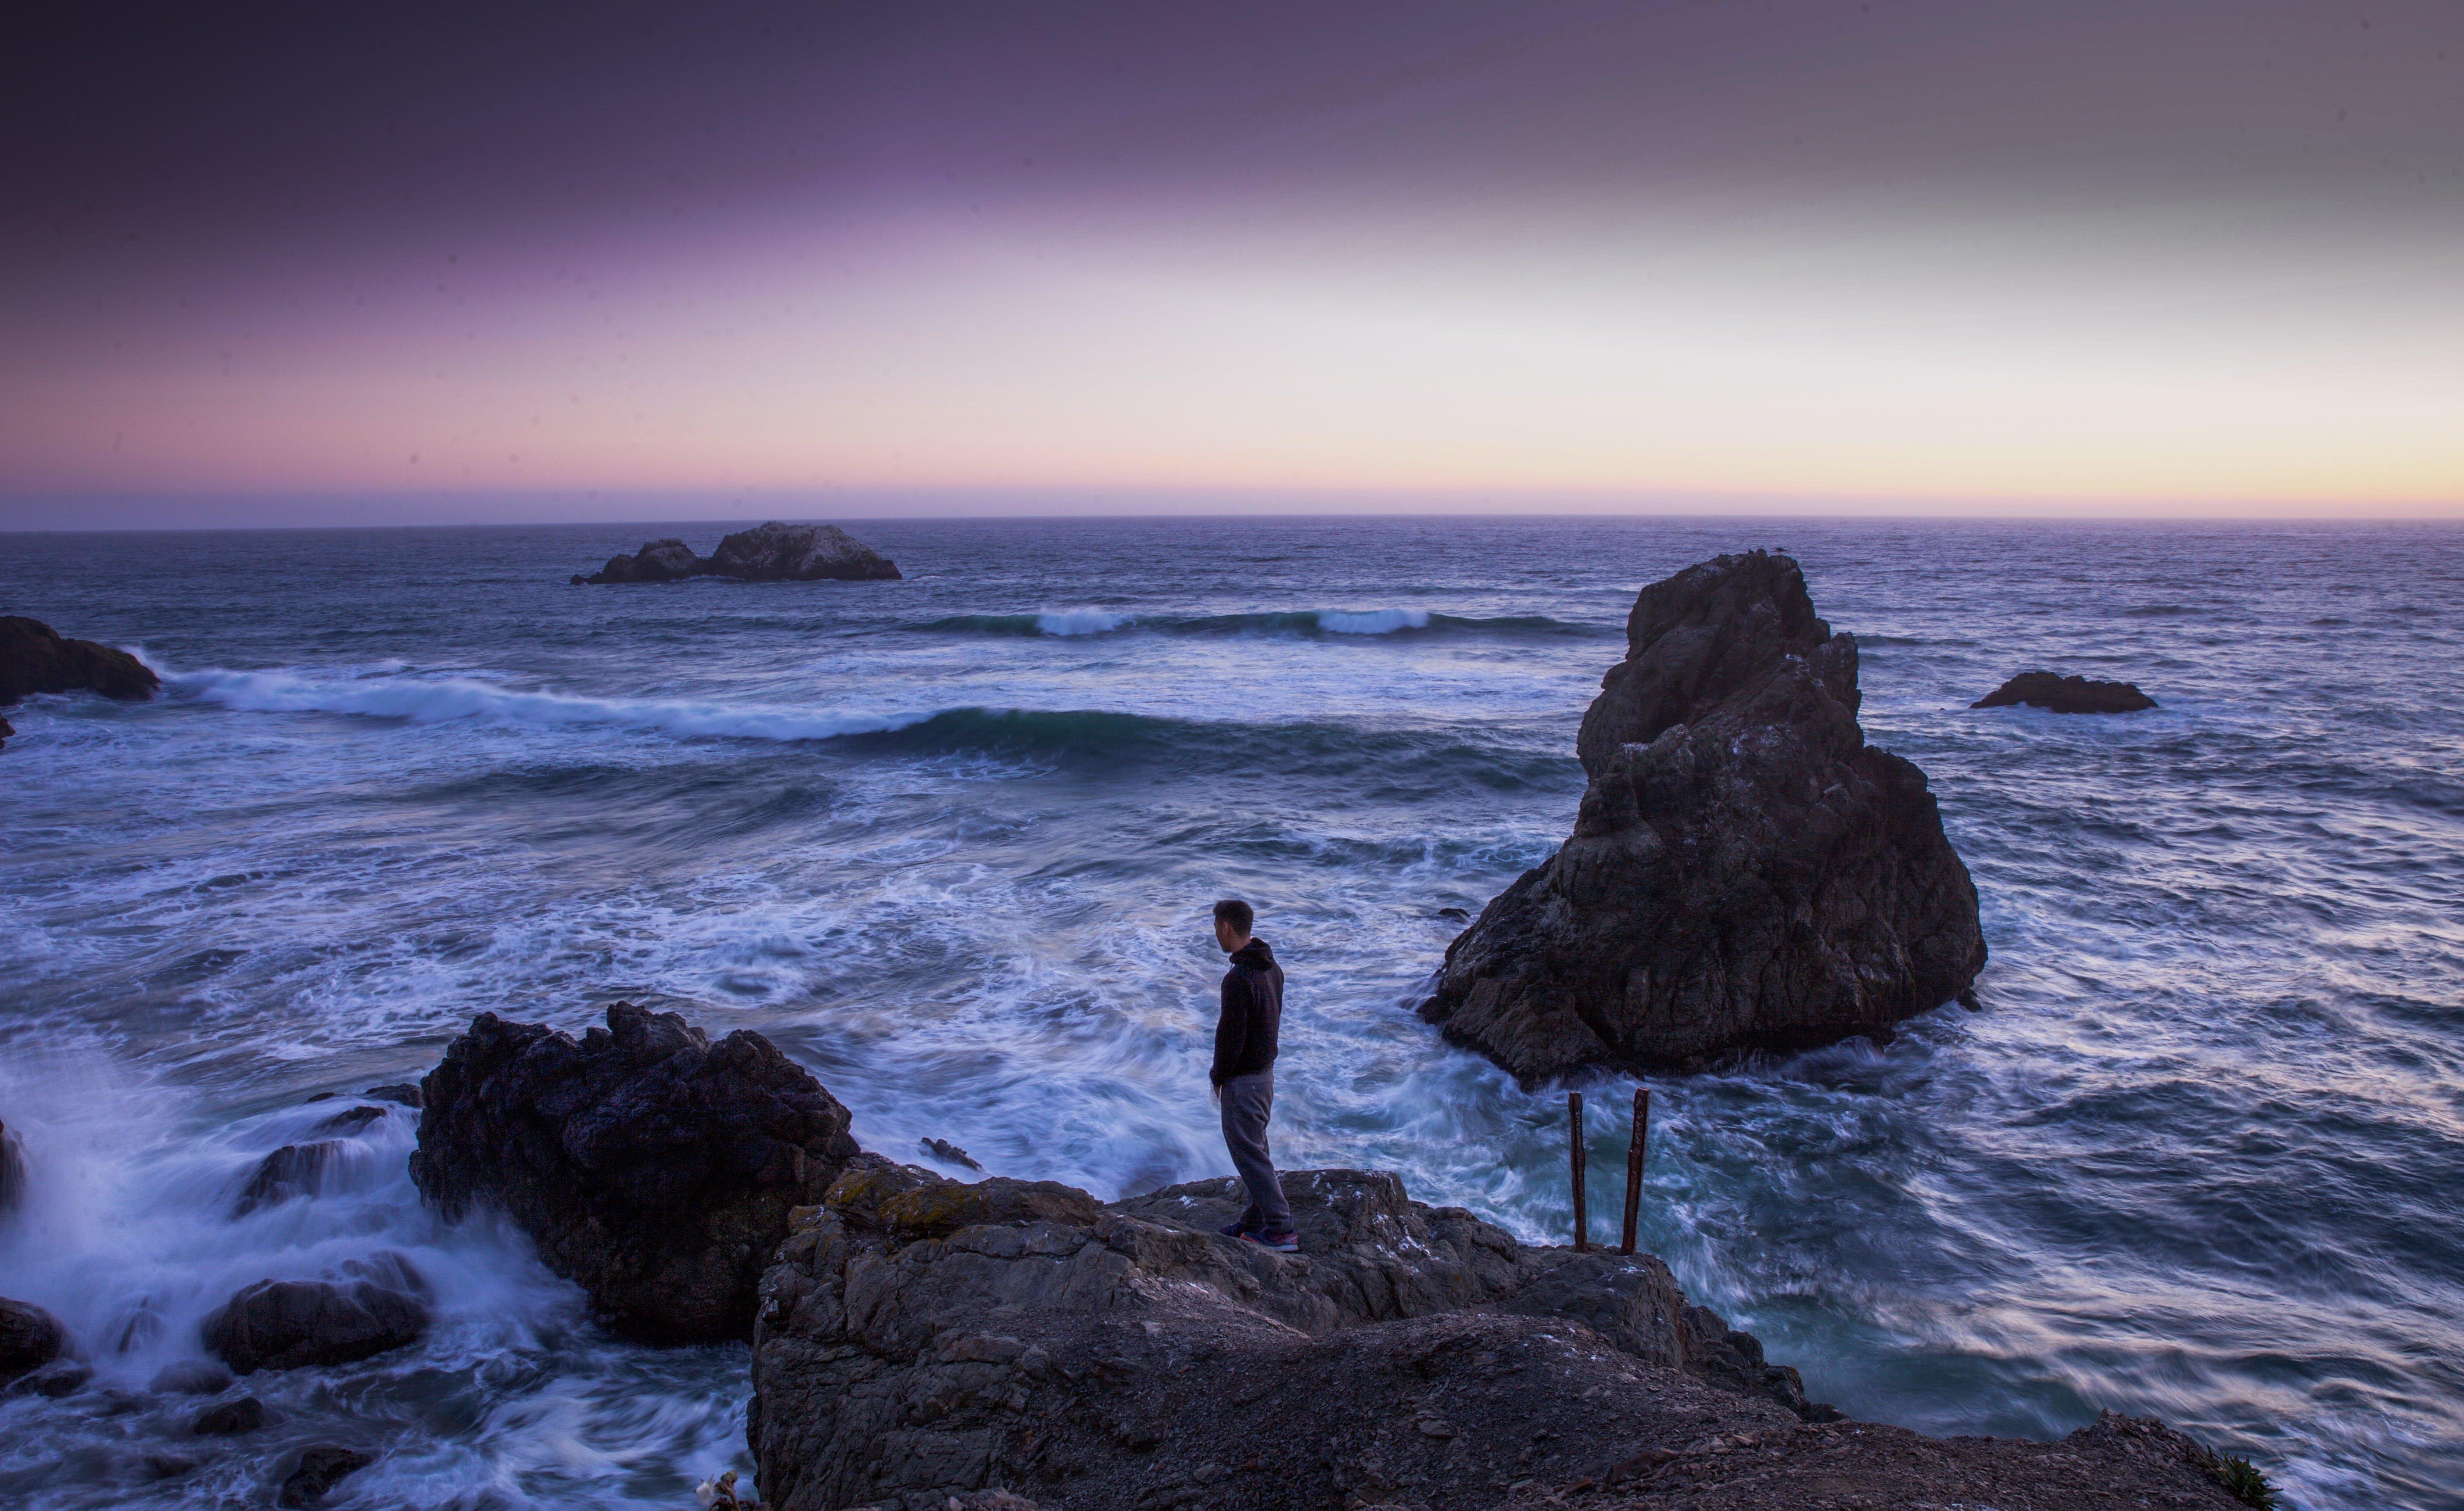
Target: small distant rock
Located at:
point(30, 1338)
point(768, 553)
point(230, 1419)
point(942, 1149)
point(404, 1094)
point(320, 1470)
point(295, 1170)
point(2043, 689)
point(34, 658)
point(286, 1325)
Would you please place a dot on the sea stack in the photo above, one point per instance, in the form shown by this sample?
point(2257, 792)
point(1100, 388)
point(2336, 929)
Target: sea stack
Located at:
point(1746, 872)
point(2074, 694)
point(768, 553)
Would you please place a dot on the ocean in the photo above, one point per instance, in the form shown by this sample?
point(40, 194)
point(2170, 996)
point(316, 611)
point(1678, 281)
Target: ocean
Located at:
point(951, 841)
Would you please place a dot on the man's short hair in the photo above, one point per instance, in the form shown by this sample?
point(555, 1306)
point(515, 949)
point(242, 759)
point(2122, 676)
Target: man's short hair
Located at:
point(1236, 912)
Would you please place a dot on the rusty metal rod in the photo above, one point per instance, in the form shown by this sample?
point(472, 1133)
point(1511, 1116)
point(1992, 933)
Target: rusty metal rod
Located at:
point(1582, 1214)
point(1634, 1166)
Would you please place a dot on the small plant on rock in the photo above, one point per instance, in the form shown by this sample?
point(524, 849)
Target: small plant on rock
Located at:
point(2243, 1482)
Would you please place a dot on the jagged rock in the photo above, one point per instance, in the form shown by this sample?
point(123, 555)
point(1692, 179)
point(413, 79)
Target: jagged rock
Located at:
point(776, 552)
point(2072, 695)
point(33, 658)
point(652, 1166)
point(942, 1149)
point(295, 1170)
point(230, 1419)
point(668, 560)
point(13, 1174)
point(377, 1305)
point(769, 552)
point(318, 1471)
point(30, 1338)
point(1745, 870)
point(402, 1095)
point(921, 1338)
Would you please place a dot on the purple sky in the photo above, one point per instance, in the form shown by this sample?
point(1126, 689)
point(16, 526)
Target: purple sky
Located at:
point(316, 263)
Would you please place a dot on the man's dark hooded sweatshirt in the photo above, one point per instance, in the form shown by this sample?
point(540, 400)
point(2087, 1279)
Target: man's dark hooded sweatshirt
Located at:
point(1253, 1013)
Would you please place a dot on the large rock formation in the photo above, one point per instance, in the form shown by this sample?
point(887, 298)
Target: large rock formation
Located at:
point(652, 1166)
point(1745, 870)
point(924, 1343)
point(2072, 694)
point(34, 658)
point(769, 552)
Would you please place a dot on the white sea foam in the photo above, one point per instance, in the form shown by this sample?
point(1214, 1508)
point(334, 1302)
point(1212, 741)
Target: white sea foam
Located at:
point(1371, 621)
point(1067, 622)
point(437, 699)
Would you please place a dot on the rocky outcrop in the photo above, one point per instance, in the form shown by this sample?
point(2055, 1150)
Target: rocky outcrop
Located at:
point(1745, 870)
point(34, 658)
point(2072, 695)
point(769, 552)
point(650, 1165)
point(924, 1342)
point(30, 1338)
point(373, 1305)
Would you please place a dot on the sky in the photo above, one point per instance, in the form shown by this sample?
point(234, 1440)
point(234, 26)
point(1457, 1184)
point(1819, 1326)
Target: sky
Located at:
point(354, 264)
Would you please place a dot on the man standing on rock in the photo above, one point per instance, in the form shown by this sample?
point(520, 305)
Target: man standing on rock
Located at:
point(1244, 1073)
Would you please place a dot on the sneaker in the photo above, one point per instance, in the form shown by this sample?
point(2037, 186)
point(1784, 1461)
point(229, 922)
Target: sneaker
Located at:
point(1233, 1229)
point(1280, 1243)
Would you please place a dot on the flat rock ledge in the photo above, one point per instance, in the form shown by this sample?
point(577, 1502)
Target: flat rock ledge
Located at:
point(1745, 871)
point(922, 1341)
point(768, 553)
point(2072, 695)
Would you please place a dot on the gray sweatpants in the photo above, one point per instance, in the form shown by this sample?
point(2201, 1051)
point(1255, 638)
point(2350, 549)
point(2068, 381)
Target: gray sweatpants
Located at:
point(1248, 1102)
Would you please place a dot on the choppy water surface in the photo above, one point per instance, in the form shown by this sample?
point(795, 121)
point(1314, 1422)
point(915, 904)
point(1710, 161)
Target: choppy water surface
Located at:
point(951, 841)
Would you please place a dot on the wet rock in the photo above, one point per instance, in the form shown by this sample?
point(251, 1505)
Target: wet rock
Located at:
point(295, 1170)
point(652, 1166)
point(230, 1419)
point(668, 560)
point(61, 1378)
point(189, 1377)
point(319, 1471)
point(942, 1149)
point(921, 1338)
point(34, 658)
point(352, 1120)
point(376, 1306)
point(401, 1095)
point(776, 552)
point(1745, 870)
point(2072, 695)
point(6, 728)
point(30, 1338)
point(166, 1466)
point(14, 1172)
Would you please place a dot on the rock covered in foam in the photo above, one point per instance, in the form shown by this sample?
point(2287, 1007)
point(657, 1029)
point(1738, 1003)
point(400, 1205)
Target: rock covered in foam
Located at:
point(2072, 695)
point(1745, 870)
point(650, 1165)
point(34, 658)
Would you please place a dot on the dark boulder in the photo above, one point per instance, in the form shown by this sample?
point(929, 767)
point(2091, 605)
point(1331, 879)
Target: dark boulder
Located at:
point(34, 659)
point(668, 560)
point(374, 1306)
point(1745, 871)
point(30, 1338)
point(402, 1094)
point(775, 552)
point(319, 1471)
point(2066, 695)
point(295, 1170)
point(6, 728)
point(650, 1165)
point(230, 1419)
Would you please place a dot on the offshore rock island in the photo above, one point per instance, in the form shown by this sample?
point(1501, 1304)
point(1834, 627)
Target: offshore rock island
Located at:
point(1746, 872)
point(768, 553)
point(1004, 1344)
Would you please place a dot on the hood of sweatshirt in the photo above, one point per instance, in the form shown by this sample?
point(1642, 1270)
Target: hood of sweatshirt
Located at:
point(1255, 954)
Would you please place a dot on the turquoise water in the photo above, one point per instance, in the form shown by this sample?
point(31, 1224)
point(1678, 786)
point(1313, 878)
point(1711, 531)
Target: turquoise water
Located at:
point(951, 841)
